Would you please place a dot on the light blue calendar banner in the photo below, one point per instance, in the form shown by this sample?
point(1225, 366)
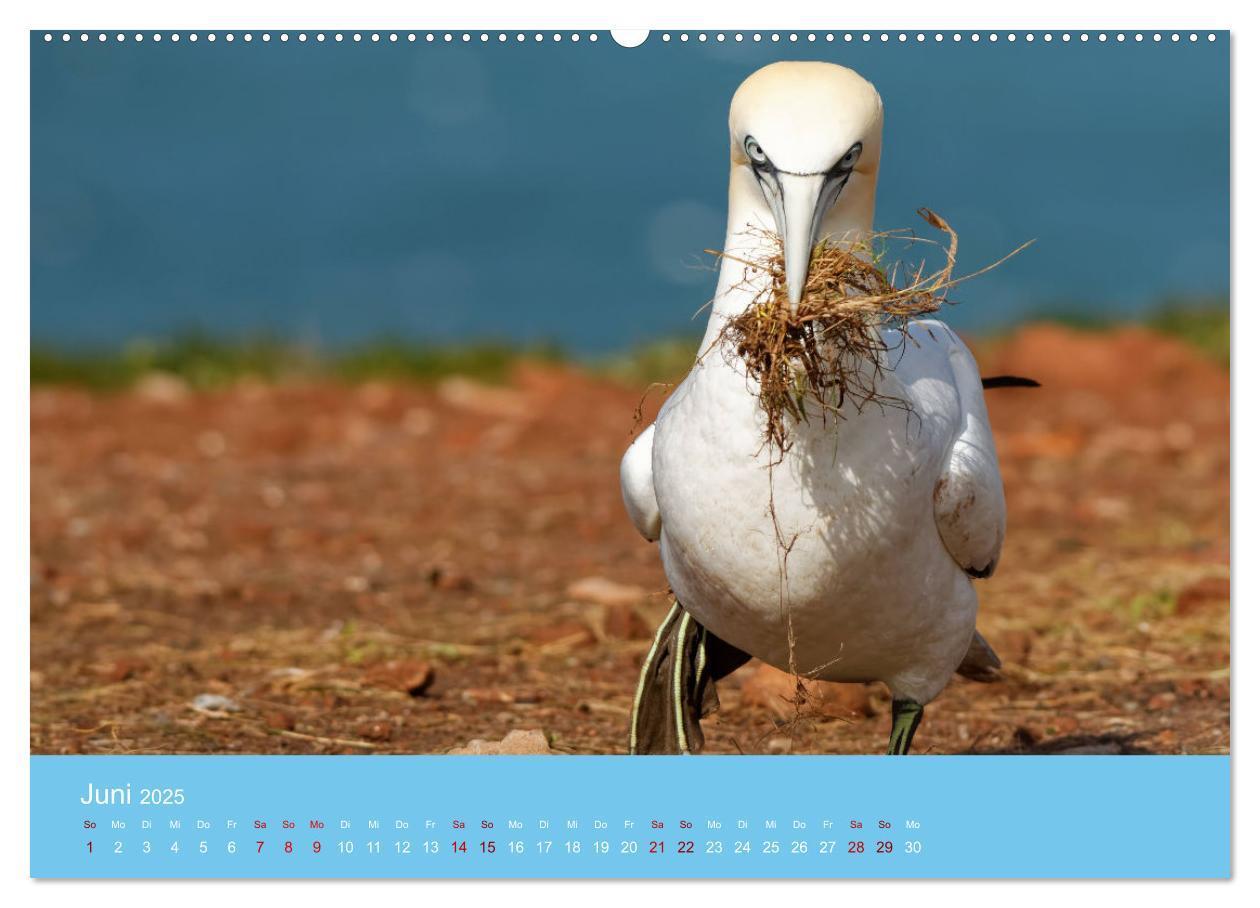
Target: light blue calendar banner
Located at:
point(627, 817)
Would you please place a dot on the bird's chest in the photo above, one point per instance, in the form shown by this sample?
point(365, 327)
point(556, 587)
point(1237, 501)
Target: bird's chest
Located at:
point(848, 496)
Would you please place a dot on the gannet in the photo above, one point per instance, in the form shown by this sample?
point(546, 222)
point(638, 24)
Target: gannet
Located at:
point(862, 568)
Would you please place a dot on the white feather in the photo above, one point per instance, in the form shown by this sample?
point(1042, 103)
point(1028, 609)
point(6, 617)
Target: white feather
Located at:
point(637, 490)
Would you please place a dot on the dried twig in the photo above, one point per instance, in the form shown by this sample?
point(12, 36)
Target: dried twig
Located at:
point(831, 350)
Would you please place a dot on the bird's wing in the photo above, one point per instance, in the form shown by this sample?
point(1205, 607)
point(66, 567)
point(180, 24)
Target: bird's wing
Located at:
point(637, 490)
point(970, 506)
point(981, 663)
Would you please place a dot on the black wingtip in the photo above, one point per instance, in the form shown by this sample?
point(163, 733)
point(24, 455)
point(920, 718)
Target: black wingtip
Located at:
point(1009, 381)
point(983, 573)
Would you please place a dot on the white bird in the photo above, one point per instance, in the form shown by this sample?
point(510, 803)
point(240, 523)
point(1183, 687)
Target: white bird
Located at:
point(860, 567)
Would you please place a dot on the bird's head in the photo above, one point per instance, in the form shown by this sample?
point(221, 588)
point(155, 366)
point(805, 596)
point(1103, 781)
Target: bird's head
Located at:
point(805, 143)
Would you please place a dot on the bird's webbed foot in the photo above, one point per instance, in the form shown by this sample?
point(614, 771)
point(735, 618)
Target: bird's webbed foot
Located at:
point(678, 685)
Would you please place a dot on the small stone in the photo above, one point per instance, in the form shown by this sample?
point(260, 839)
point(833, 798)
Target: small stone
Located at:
point(375, 730)
point(487, 695)
point(87, 612)
point(1203, 594)
point(531, 741)
point(123, 670)
point(273, 496)
point(290, 673)
point(770, 688)
point(418, 422)
point(1014, 646)
point(563, 635)
point(779, 746)
point(161, 388)
point(465, 394)
point(441, 578)
point(1066, 725)
point(280, 720)
point(601, 591)
point(1179, 436)
point(843, 700)
point(520, 742)
point(412, 678)
point(623, 622)
point(215, 703)
point(1192, 687)
point(211, 444)
point(375, 395)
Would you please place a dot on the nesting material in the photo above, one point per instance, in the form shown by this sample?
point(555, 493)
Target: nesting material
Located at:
point(832, 351)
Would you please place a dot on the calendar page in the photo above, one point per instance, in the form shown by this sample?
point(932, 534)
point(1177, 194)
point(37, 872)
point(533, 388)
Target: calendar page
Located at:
point(635, 454)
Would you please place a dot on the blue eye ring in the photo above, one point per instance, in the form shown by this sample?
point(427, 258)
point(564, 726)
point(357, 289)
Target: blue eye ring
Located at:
point(755, 152)
point(850, 159)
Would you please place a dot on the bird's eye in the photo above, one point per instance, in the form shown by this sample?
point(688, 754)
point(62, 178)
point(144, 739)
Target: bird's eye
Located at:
point(754, 152)
point(850, 158)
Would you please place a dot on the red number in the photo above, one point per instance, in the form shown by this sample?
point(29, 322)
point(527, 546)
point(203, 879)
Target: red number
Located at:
point(656, 847)
point(883, 847)
point(857, 847)
point(315, 846)
point(288, 848)
point(686, 847)
point(260, 846)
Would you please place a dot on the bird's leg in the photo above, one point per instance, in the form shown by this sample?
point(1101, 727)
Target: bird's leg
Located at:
point(678, 686)
point(906, 715)
point(659, 718)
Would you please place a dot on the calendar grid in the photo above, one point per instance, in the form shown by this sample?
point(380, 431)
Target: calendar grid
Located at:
point(617, 817)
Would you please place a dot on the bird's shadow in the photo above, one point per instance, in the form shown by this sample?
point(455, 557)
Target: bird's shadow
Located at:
point(1102, 744)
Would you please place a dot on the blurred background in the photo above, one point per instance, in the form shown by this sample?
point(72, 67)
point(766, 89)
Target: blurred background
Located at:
point(336, 346)
point(563, 194)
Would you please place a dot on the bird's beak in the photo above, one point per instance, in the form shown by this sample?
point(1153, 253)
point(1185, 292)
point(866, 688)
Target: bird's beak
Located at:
point(798, 222)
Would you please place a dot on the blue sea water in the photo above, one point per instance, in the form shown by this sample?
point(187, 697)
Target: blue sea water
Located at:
point(339, 192)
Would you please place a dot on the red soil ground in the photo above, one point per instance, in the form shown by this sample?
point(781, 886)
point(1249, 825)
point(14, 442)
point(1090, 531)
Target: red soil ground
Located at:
point(399, 569)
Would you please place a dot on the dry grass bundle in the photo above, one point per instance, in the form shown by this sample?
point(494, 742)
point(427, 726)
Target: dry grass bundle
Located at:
point(831, 351)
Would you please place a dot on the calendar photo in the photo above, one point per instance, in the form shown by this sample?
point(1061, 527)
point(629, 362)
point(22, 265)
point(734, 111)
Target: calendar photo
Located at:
point(522, 438)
